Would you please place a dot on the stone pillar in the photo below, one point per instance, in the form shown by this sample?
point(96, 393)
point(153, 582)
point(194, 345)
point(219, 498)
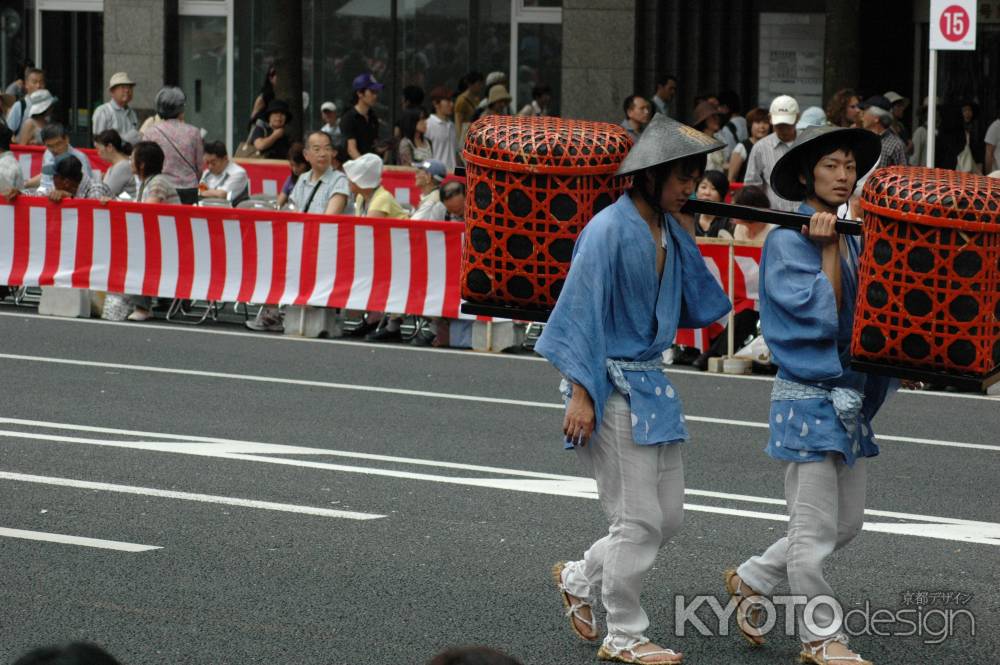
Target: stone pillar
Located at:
point(598, 58)
point(842, 47)
point(140, 37)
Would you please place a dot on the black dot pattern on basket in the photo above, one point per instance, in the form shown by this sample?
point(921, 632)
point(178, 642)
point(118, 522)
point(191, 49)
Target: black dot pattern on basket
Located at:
point(930, 271)
point(534, 183)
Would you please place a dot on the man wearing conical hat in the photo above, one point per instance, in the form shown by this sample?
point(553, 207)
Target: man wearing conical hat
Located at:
point(821, 409)
point(635, 277)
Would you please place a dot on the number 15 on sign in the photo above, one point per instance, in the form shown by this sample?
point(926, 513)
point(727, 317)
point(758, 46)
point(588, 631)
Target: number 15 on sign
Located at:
point(953, 25)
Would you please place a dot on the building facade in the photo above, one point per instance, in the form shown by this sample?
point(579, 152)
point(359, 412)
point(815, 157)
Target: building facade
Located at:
point(592, 52)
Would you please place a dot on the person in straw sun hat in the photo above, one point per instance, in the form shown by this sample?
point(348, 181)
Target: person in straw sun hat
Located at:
point(821, 409)
point(116, 113)
point(635, 276)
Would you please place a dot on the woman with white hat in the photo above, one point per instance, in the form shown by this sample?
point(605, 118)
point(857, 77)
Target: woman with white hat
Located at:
point(373, 200)
point(39, 106)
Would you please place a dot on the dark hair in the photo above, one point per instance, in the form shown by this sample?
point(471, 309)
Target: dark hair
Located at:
point(297, 152)
point(148, 158)
point(217, 148)
point(731, 99)
point(112, 138)
point(267, 88)
point(451, 188)
point(690, 165)
point(77, 653)
point(472, 656)
point(817, 150)
point(540, 90)
point(752, 195)
point(664, 79)
point(339, 148)
point(319, 132)
point(719, 181)
point(836, 108)
point(33, 70)
point(413, 95)
point(23, 66)
point(53, 130)
point(757, 115)
point(408, 123)
point(6, 136)
point(69, 168)
point(473, 77)
point(627, 104)
point(704, 97)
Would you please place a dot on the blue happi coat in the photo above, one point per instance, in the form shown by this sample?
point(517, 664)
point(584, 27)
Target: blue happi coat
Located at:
point(810, 341)
point(615, 306)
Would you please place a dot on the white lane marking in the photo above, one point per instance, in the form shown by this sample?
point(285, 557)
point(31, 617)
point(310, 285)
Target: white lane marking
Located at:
point(187, 496)
point(278, 380)
point(943, 528)
point(75, 540)
point(423, 393)
point(468, 353)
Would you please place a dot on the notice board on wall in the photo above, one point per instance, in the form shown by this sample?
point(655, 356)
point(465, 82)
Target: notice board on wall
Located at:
point(791, 57)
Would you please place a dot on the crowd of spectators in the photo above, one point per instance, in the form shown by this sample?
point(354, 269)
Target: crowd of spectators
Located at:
point(337, 168)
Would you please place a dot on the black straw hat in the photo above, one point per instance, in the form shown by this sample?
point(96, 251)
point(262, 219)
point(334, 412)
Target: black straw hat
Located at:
point(666, 140)
point(865, 145)
point(277, 106)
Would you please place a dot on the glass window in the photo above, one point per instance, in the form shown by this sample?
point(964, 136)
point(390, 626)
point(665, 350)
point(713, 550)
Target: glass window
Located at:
point(436, 43)
point(490, 50)
point(344, 38)
point(73, 50)
point(13, 32)
point(203, 73)
point(539, 61)
point(433, 43)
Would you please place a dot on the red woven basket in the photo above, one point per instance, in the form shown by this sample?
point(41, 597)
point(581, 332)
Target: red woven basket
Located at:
point(929, 283)
point(533, 184)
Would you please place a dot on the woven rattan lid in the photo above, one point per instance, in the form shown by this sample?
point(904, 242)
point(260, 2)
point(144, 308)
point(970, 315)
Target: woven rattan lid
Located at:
point(546, 145)
point(937, 197)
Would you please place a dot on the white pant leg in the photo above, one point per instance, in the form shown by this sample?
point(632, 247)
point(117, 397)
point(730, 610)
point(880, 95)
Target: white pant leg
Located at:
point(826, 510)
point(765, 572)
point(641, 489)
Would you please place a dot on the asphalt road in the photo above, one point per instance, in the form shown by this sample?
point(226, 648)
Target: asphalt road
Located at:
point(341, 503)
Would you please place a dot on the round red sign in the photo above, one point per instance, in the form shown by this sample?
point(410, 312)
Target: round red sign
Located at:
point(954, 23)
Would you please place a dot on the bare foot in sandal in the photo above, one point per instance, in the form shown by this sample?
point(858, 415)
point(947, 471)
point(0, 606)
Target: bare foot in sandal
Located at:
point(830, 652)
point(579, 610)
point(748, 614)
point(640, 652)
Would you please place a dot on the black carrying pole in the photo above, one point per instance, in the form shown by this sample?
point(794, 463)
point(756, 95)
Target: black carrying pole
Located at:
point(792, 220)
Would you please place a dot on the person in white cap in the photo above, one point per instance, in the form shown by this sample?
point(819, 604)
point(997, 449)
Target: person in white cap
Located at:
point(36, 117)
point(430, 174)
point(328, 111)
point(116, 113)
point(373, 200)
point(784, 114)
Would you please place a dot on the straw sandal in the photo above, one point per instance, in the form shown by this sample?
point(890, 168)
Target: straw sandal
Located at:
point(574, 607)
point(816, 655)
point(618, 655)
point(746, 606)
